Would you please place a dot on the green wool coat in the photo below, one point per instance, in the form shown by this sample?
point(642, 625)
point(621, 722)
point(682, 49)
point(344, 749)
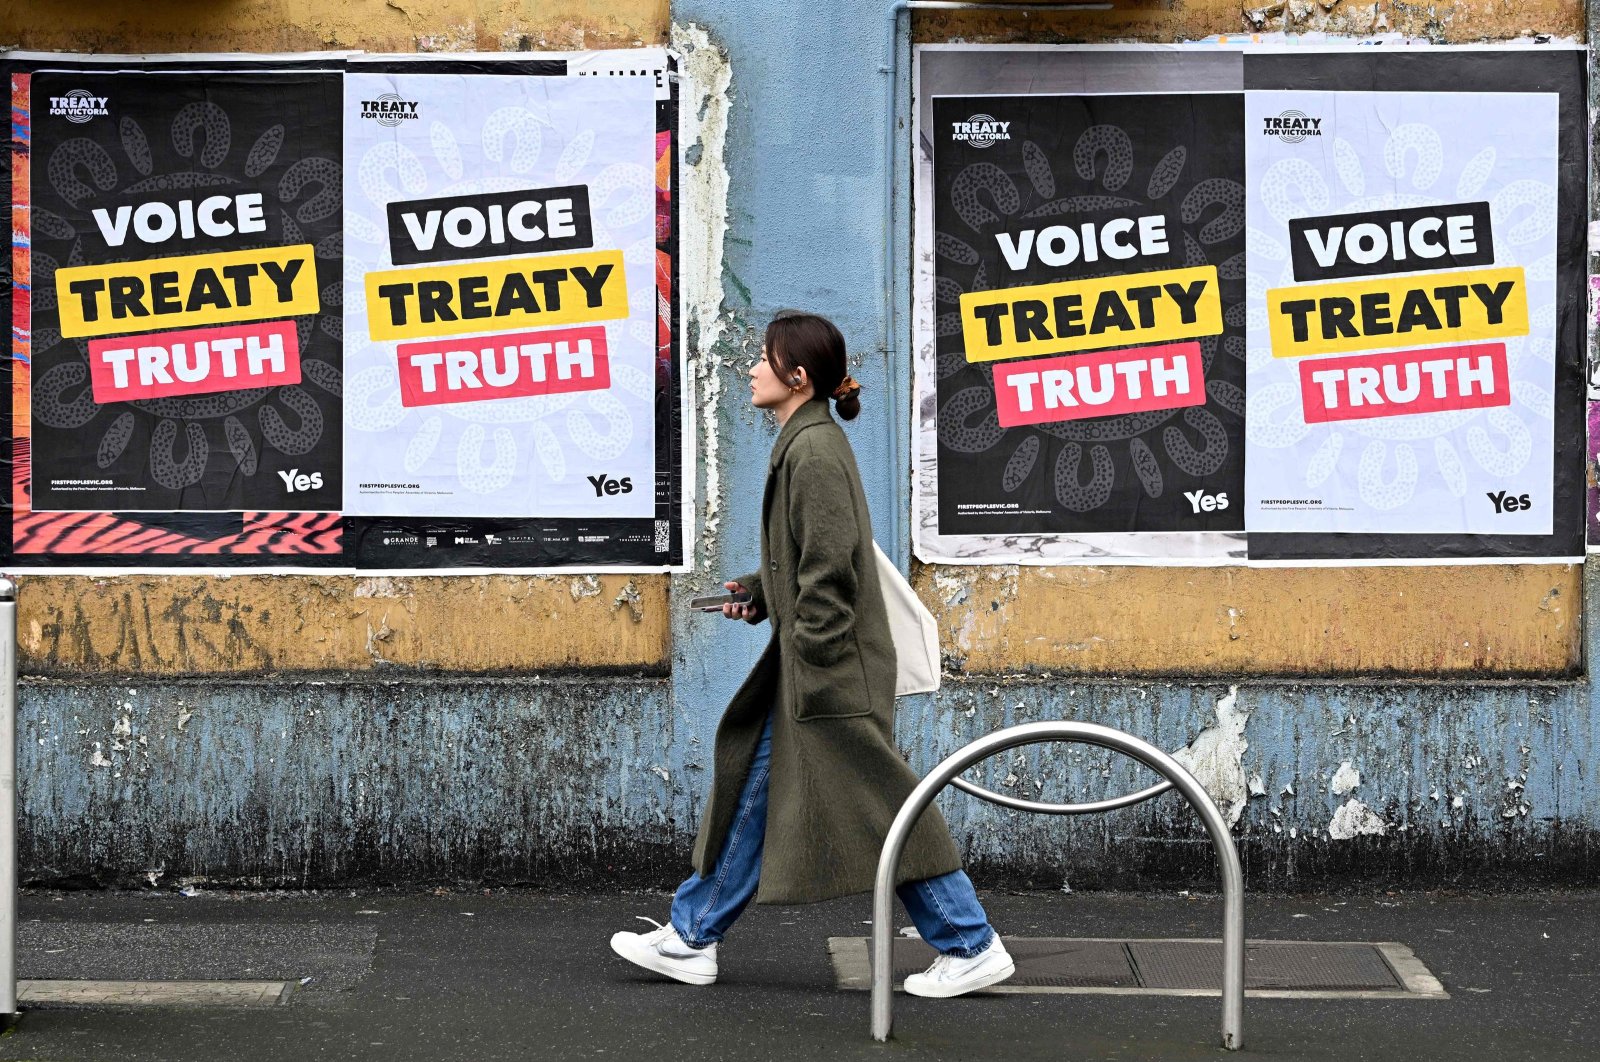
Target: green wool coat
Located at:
point(836, 779)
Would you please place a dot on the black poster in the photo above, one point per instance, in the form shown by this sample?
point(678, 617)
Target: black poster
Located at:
point(1089, 269)
point(186, 307)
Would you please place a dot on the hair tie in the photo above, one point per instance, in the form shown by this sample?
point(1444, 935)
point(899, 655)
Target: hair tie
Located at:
point(846, 388)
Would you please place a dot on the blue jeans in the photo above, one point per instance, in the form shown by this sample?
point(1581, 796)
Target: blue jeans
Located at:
point(944, 909)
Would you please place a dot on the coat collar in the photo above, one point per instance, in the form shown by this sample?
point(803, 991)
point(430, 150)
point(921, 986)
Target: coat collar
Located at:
point(808, 415)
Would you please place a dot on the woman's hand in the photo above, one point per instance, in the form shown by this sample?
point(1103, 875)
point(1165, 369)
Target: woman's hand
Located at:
point(747, 612)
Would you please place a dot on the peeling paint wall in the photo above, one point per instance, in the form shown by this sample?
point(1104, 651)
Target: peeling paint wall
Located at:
point(575, 781)
point(1467, 784)
point(310, 783)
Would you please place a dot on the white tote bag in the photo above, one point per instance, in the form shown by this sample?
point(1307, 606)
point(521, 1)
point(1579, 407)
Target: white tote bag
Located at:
point(916, 637)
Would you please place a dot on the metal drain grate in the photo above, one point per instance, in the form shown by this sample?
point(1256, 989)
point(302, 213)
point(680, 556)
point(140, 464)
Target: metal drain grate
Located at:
point(1285, 968)
point(1061, 963)
point(1267, 964)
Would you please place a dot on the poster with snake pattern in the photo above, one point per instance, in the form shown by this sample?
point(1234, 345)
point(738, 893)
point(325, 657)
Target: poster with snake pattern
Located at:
point(500, 276)
point(544, 425)
point(186, 233)
point(1416, 305)
point(1089, 269)
point(182, 182)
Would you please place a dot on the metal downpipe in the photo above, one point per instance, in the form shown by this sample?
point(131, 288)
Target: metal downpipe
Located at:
point(900, 415)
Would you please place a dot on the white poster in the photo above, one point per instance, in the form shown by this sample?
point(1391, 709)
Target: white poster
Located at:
point(500, 295)
point(1402, 312)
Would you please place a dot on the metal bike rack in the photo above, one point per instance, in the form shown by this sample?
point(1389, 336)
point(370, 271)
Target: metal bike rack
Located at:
point(1087, 734)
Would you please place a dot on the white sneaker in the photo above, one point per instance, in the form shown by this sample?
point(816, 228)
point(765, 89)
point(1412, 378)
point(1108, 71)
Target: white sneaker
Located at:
point(951, 975)
point(663, 951)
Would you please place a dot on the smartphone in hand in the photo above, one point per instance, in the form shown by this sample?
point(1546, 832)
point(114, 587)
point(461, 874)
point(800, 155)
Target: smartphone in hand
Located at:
point(714, 602)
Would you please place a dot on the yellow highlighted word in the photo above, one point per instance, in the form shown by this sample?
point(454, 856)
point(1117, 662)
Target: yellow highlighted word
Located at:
point(187, 291)
point(490, 296)
point(1420, 309)
point(1074, 315)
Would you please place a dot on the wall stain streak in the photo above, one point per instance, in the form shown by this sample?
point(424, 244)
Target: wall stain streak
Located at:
point(273, 783)
point(592, 781)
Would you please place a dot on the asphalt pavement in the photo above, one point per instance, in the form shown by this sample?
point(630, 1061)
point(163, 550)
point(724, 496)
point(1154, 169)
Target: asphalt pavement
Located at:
point(509, 974)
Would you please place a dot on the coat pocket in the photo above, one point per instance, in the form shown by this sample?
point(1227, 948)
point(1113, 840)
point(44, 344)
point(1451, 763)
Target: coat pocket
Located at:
point(837, 691)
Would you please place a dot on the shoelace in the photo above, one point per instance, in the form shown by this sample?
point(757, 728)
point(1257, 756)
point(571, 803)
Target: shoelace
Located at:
point(659, 933)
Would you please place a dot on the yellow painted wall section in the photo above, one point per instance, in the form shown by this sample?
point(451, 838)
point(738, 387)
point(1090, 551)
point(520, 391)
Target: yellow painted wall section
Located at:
point(318, 25)
point(1468, 21)
point(265, 624)
point(1314, 622)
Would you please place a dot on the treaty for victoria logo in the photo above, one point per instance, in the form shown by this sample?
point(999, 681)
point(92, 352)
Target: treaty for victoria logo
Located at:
point(389, 110)
point(79, 106)
point(981, 131)
point(1291, 126)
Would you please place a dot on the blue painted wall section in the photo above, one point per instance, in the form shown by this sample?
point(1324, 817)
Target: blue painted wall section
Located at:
point(562, 782)
point(573, 782)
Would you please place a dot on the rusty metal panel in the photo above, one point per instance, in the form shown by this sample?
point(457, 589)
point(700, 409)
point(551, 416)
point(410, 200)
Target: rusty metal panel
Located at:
point(1479, 620)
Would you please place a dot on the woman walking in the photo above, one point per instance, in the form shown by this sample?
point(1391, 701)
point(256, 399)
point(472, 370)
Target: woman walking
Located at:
point(807, 776)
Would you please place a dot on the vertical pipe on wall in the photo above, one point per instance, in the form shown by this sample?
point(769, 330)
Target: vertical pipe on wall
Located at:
point(896, 356)
point(1591, 26)
point(896, 315)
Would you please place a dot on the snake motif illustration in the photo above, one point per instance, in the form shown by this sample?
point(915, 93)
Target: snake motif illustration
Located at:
point(1092, 464)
